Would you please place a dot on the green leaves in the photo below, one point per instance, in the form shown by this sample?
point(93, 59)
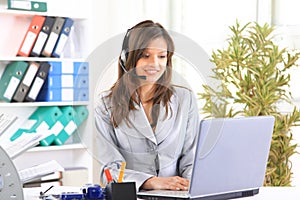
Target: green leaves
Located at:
point(254, 78)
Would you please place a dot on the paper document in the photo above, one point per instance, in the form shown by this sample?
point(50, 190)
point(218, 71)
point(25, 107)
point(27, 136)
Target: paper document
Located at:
point(23, 143)
point(38, 171)
point(6, 120)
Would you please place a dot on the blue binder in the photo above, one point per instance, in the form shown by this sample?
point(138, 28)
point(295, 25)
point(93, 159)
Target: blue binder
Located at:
point(63, 95)
point(67, 81)
point(63, 38)
point(68, 67)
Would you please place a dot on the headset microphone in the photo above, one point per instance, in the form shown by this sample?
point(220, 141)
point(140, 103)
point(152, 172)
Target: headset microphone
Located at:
point(133, 73)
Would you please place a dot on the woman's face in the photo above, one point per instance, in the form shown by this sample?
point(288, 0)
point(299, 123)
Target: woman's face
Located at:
point(153, 62)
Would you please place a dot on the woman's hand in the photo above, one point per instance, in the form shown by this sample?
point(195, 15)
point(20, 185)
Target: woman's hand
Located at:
point(166, 183)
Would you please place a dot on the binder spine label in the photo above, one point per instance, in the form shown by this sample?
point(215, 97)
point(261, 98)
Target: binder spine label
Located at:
point(67, 94)
point(57, 128)
point(71, 127)
point(11, 87)
point(50, 43)
point(43, 126)
point(67, 67)
point(67, 81)
point(40, 43)
point(30, 74)
point(21, 5)
point(38, 83)
point(28, 42)
point(60, 46)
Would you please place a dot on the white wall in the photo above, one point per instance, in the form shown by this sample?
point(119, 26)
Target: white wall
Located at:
point(205, 22)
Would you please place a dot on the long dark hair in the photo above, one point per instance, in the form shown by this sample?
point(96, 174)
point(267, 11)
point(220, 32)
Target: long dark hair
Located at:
point(124, 91)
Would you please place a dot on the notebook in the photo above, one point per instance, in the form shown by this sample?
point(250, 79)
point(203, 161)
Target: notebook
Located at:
point(230, 160)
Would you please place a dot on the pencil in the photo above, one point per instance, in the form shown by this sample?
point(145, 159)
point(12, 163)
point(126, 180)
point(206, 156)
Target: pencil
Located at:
point(122, 169)
point(108, 175)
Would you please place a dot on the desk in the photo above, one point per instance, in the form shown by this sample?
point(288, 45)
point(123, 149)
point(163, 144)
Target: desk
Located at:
point(276, 193)
point(265, 193)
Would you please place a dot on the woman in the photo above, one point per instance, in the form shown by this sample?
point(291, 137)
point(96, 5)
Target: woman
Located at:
point(144, 119)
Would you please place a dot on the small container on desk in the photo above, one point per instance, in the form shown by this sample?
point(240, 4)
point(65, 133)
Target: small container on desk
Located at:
point(120, 191)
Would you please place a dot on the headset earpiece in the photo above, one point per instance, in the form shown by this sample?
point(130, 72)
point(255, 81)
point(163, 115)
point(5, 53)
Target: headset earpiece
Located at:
point(124, 55)
point(125, 50)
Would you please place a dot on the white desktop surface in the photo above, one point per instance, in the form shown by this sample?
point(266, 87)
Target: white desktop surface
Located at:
point(34, 193)
point(265, 193)
point(276, 193)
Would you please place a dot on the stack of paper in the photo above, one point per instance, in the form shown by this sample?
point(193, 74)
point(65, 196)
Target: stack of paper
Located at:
point(39, 171)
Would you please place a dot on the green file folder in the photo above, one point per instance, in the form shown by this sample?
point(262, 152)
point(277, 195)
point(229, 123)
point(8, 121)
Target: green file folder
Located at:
point(36, 6)
point(76, 116)
point(65, 120)
point(43, 118)
point(11, 79)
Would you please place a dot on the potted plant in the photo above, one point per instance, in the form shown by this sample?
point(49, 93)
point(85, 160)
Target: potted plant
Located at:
point(253, 80)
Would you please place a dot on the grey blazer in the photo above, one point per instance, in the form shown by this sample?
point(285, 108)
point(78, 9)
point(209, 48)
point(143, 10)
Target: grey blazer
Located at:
point(169, 151)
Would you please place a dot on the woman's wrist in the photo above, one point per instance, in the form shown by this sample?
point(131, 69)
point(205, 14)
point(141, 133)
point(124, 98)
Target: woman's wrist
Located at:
point(147, 185)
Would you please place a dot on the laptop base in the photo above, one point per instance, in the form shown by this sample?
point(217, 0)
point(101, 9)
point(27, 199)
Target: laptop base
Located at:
point(231, 195)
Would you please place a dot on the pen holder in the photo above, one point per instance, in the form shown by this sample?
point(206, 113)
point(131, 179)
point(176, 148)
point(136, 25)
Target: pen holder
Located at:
point(120, 191)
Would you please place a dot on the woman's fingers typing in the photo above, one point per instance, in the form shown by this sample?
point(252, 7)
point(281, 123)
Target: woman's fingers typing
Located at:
point(166, 183)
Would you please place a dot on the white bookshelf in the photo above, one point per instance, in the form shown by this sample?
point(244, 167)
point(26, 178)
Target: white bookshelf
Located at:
point(76, 151)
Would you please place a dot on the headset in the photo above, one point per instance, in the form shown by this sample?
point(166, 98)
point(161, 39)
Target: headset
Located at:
point(124, 55)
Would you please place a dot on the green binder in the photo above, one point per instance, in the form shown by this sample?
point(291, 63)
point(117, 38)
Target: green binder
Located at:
point(59, 127)
point(76, 116)
point(27, 5)
point(11, 79)
point(43, 118)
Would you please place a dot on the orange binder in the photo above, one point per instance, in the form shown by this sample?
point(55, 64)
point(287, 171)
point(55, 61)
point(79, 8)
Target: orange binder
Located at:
point(31, 35)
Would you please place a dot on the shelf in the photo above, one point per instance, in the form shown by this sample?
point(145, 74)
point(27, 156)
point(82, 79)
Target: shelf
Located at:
point(39, 59)
point(35, 104)
point(64, 9)
point(31, 13)
point(74, 152)
point(64, 147)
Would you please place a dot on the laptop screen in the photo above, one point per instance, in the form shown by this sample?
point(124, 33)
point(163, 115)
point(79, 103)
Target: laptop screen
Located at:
point(231, 155)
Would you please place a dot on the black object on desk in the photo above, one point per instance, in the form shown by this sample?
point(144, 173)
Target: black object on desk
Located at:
point(120, 191)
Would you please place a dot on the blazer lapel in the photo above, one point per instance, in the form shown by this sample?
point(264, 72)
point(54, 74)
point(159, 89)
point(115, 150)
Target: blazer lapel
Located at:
point(165, 124)
point(141, 124)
